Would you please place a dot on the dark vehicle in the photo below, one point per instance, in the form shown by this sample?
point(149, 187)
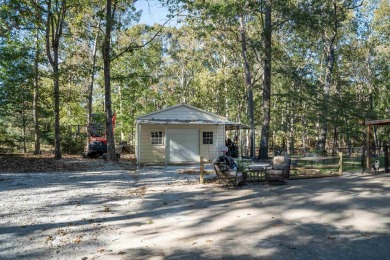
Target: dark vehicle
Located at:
point(96, 149)
point(98, 140)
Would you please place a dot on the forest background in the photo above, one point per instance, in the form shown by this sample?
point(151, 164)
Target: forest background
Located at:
point(303, 74)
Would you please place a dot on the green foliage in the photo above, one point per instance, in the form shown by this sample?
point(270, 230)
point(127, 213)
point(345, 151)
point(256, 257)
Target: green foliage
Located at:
point(243, 165)
point(200, 63)
point(73, 144)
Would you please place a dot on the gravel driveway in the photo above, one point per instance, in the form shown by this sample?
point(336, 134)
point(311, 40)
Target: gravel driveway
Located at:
point(156, 213)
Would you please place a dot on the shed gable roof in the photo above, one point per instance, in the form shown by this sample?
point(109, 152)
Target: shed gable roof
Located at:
point(182, 113)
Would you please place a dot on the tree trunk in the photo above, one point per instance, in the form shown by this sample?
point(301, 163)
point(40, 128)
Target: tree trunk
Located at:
point(226, 87)
point(90, 89)
point(57, 134)
point(291, 142)
point(248, 81)
point(329, 50)
point(23, 121)
point(107, 83)
point(330, 56)
point(373, 117)
point(54, 25)
point(263, 151)
point(37, 135)
point(121, 111)
point(348, 136)
point(335, 141)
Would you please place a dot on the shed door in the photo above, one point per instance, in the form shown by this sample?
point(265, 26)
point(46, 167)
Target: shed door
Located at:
point(183, 145)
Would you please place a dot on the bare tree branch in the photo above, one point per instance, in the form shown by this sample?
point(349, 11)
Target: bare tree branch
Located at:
point(356, 6)
point(133, 45)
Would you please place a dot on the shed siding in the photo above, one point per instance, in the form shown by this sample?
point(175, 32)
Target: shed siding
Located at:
point(149, 153)
point(209, 151)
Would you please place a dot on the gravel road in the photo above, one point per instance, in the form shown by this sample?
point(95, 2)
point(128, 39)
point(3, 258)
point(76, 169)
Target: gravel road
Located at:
point(156, 213)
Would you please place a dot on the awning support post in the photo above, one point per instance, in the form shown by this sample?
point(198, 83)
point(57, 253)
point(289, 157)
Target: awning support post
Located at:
point(239, 147)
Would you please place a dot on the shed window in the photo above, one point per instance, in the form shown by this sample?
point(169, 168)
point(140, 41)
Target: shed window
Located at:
point(156, 137)
point(208, 137)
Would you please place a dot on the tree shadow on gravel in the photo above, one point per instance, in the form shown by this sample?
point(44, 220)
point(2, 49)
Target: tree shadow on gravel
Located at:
point(147, 214)
point(306, 219)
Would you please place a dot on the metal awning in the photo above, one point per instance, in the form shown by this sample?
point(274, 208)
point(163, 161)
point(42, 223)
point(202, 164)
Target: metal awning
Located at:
point(236, 126)
point(378, 122)
point(229, 125)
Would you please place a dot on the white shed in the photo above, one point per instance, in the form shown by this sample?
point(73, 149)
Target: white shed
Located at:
point(180, 134)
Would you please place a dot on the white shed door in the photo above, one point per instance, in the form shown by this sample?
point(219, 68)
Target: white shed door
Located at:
point(183, 145)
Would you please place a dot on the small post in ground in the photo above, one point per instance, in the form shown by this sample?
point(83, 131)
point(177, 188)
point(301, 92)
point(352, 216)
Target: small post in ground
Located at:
point(368, 156)
point(201, 177)
point(387, 158)
point(341, 163)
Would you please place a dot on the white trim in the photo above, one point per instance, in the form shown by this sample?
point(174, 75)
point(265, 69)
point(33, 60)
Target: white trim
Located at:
point(217, 142)
point(138, 145)
point(158, 138)
point(166, 147)
point(224, 136)
point(200, 142)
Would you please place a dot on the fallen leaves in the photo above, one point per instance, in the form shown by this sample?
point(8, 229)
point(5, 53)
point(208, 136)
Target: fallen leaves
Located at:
point(22, 163)
point(19, 163)
point(138, 191)
point(61, 232)
point(77, 240)
point(188, 171)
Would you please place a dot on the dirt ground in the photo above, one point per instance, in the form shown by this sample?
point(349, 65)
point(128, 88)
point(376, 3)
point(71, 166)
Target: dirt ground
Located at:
point(77, 208)
point(28, 163)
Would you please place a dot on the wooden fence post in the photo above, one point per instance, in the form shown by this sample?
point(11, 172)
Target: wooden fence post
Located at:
point(201, 177)
point(387, 158)
point(341, 163)
point(368, 155)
